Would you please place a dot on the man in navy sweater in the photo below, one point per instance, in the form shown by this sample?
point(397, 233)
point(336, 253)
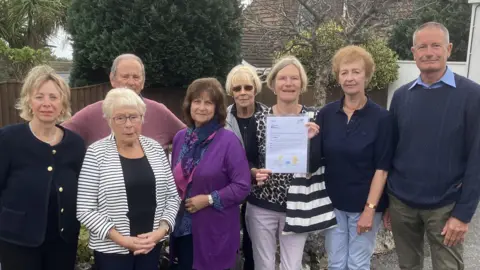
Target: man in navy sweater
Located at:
point(434, 184)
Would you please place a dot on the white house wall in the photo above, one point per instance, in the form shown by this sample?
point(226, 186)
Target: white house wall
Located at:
point(408, 72)
point(473, 68)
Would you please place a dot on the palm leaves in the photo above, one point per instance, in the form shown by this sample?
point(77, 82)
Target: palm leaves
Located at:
point(31, 22)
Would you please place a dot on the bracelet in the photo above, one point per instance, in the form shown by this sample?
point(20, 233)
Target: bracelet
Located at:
point(371, 205)
point(164, 225)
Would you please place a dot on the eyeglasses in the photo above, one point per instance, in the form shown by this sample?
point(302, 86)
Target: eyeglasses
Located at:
point(122, 119)
point(238, 88)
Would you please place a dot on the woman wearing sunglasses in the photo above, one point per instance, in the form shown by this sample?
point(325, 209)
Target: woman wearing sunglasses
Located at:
point(243, 84)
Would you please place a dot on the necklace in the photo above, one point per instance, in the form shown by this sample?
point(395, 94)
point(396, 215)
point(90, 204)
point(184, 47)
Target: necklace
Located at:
point(356, 108)
point(49, 141)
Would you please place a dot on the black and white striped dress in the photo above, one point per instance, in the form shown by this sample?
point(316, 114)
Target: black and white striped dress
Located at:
point(102, 200)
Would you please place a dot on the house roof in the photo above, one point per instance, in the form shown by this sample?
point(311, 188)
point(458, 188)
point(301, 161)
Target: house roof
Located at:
point(259, 44)
point(254, 52)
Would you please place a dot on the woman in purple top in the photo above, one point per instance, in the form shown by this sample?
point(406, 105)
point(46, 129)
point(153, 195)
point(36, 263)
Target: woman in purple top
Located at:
point(213, 178)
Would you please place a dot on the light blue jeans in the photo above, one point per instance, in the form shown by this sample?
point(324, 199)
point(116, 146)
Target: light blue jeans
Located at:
point(345, 248)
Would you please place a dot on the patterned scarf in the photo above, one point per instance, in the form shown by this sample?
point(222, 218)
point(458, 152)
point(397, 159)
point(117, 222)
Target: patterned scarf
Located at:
point(195, 144)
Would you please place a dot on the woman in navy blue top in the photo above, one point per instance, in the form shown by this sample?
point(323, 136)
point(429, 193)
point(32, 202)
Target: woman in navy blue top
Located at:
point(40, 163)
point(356, 137)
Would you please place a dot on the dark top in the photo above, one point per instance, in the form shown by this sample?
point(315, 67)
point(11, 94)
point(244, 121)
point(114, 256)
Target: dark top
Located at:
point(243, 124)
point(246, 125)
point(38, 186)
point(437, 156)
point(353, 151)
point(141, 197)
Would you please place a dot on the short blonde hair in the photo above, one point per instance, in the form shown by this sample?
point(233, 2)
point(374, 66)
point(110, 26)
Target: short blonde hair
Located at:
point(243, 72)
point(120, 98)
point(282, 63)
point(36, 77)
point(350, 54)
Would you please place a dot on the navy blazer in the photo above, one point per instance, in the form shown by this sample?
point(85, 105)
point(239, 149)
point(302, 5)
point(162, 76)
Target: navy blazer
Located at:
point(29, 171)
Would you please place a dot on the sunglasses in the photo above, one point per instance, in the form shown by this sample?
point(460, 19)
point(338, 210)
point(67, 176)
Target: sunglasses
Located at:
point(239, 88)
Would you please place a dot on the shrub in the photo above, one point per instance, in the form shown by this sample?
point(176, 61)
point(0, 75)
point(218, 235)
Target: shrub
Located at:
point(179, 41)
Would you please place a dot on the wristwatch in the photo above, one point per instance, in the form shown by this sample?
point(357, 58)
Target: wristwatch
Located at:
point(371, 205)
point(210, 199)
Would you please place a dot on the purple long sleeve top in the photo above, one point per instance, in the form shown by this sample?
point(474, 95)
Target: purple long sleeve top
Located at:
point(223, 168)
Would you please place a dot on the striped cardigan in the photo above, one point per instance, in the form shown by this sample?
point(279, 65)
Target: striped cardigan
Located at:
point(102, 199)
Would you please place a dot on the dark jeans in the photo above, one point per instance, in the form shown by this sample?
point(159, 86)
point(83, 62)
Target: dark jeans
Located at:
point(53, 254)
point(150, 261)
point(247, 243)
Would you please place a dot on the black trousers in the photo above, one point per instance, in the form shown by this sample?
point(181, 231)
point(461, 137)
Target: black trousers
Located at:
point(53, 254)
point(247, 243)
point(183, 248)
point(150, 261)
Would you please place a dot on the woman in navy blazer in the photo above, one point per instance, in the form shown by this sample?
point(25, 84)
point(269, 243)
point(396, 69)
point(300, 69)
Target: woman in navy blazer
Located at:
point(40, 163)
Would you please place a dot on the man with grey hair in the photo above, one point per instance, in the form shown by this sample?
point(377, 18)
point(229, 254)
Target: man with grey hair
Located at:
point(434, 183)
point(127, 71)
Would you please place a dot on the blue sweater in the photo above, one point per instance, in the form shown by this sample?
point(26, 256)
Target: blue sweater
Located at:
point(437, 137)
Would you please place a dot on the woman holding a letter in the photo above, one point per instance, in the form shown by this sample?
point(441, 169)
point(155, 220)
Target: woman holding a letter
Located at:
point(357, 147)
point(267, 202)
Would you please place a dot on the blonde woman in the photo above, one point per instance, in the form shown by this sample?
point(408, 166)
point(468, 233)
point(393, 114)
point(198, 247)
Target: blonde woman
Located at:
point(127, 198)
point(243, 84)
point(266, 207)
point(39, 166)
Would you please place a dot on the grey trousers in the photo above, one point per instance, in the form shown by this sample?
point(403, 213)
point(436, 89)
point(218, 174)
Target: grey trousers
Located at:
point(265, 227)
point(409, 226)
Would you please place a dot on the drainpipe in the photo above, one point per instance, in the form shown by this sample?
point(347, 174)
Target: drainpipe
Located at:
point(473, 56)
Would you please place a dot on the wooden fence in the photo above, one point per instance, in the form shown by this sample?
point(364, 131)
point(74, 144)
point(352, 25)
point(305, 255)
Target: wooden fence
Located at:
point(171, 97)
point(10, 92)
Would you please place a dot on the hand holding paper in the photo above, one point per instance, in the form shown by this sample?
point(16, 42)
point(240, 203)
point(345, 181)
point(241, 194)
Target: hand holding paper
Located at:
point(287, 143)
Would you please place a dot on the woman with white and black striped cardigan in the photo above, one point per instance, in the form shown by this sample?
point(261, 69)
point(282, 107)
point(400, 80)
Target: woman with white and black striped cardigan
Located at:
point(102, 201)
point(128, 203)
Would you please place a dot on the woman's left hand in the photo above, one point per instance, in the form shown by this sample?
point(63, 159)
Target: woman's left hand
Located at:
point(313, 129)
point(365, 223)
point(196, 203)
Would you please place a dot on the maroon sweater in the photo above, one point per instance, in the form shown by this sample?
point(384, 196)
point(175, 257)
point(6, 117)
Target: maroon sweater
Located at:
point(159, 124)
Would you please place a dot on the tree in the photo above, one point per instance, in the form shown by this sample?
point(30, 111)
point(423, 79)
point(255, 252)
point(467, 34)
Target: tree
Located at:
point(20, 61)
point(179, 41)
point(315, 29)
point(454, 14)
point(31, 22)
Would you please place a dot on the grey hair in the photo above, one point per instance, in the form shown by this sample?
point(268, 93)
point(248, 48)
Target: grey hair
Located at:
point(125, 56)
point(283, 62)
point(432, 25)
point(120, 98)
